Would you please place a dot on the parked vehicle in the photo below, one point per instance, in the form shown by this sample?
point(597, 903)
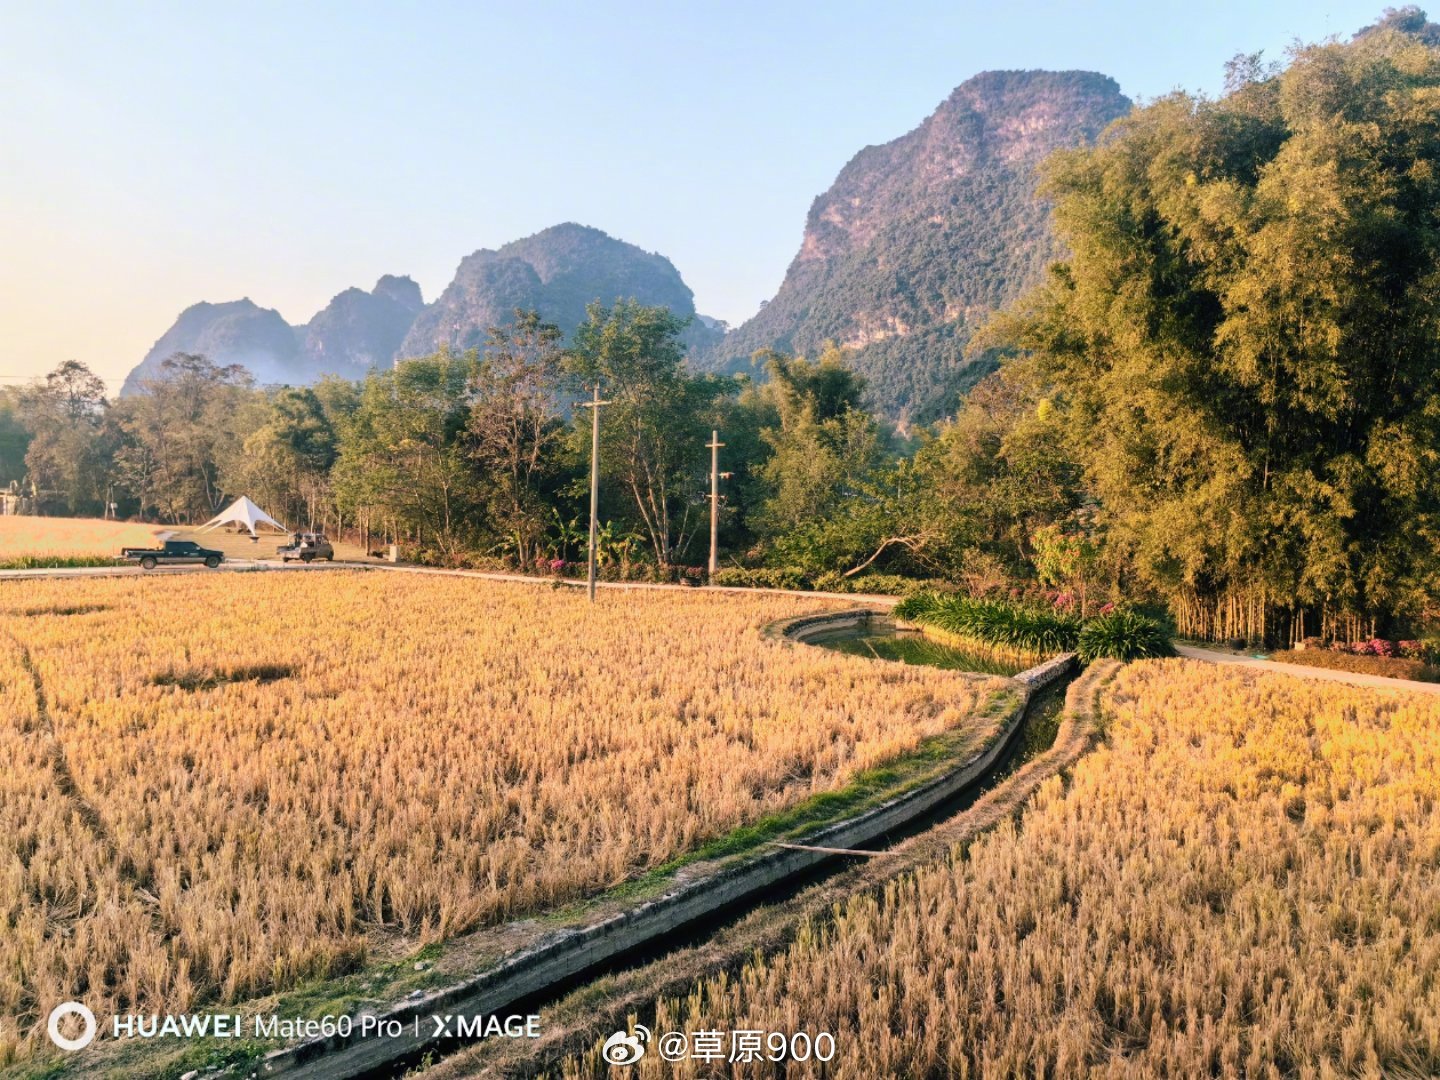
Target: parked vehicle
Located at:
point(174, 553)
point(307, 547)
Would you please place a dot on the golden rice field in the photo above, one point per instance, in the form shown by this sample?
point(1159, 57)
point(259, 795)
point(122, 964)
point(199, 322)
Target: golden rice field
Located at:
point(20, 536)
point(1243, 880)
point(217, 785)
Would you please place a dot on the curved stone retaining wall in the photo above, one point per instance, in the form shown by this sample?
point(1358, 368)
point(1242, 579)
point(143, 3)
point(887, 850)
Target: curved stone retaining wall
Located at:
point(806, 627)
point(1047, 674)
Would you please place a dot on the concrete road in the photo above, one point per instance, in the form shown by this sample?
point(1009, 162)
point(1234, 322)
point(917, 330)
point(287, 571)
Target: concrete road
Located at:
point(266, 565)
point(121, 569)
point(1214, 656)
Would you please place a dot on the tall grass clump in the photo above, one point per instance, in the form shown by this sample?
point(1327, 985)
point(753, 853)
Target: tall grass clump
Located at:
point(1026, 630)
point(994, 624)
point(1123, 635)
point(916, 606)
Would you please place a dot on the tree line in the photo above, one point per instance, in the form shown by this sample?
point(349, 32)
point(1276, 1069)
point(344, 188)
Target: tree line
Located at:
point(467, 455)
point(1223, 402)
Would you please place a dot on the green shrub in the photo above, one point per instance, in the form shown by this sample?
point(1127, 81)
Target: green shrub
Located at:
point(1038, 631)
point(883, 584)
point(994, 623)
point(1123, 635)
point(874, 584)
point(762, 577)
point(793, 577)
point(916, 606)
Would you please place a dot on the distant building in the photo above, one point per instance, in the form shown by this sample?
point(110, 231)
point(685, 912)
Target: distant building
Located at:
point(12, 502)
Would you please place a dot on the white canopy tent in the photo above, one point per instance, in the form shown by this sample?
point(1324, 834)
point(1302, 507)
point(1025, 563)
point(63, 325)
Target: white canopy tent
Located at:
point(244, 513)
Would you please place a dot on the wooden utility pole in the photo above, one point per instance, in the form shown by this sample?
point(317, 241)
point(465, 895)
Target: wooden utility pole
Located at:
point(594, 404)
point(714, 444)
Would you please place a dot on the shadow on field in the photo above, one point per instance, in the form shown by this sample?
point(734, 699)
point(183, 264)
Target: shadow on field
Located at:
point(73, 609)
point(198, 679)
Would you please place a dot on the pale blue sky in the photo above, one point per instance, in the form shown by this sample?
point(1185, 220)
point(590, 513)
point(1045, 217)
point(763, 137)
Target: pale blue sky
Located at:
point(156, 154)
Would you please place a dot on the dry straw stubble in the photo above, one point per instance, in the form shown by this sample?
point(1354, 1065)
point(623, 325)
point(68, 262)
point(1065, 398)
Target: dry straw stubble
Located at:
point(246, 781)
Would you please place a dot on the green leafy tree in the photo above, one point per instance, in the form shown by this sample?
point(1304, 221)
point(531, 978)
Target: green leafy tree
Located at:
point(819, 510)
point(1065, 558)
point(65, 455)
point(515, 430)
point(654, 430)
point(286, 462)
point(996, 473)
point(14, 437)
point(184, 430)
point(402, 461)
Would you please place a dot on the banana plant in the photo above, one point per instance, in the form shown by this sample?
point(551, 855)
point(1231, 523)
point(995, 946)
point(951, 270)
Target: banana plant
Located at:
point(613, 546)
point(562, 535)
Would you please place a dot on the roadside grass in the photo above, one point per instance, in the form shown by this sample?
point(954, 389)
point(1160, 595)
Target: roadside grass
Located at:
point(1389, 667)
point(57, 562)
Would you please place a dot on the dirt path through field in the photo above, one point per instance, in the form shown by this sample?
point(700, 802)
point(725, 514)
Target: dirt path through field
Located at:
point(60, 764)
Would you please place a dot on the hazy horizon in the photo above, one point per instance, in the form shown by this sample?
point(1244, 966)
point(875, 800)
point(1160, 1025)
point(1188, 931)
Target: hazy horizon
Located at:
point(153, 159)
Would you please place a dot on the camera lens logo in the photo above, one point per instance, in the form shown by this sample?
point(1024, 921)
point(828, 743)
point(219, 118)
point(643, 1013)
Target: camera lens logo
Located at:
point(625, 1048)
point(87, 1020)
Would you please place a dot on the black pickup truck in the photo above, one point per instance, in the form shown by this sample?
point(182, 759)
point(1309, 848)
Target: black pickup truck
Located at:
point(174, 553)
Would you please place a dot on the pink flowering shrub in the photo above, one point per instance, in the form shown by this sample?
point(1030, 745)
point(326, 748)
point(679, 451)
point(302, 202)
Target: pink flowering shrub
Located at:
point(1373, 647)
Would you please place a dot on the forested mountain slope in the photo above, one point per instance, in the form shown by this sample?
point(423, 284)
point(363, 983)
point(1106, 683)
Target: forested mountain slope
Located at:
point(918, 239)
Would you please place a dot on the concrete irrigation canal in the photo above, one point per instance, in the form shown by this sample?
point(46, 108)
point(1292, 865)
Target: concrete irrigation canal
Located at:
point(696, 905)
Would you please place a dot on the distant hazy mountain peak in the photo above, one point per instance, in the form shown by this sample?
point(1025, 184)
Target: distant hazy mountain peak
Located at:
point(358, 331)
point(557, 272)
point(402, 290)
point(917, 240)
point(231, 332)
